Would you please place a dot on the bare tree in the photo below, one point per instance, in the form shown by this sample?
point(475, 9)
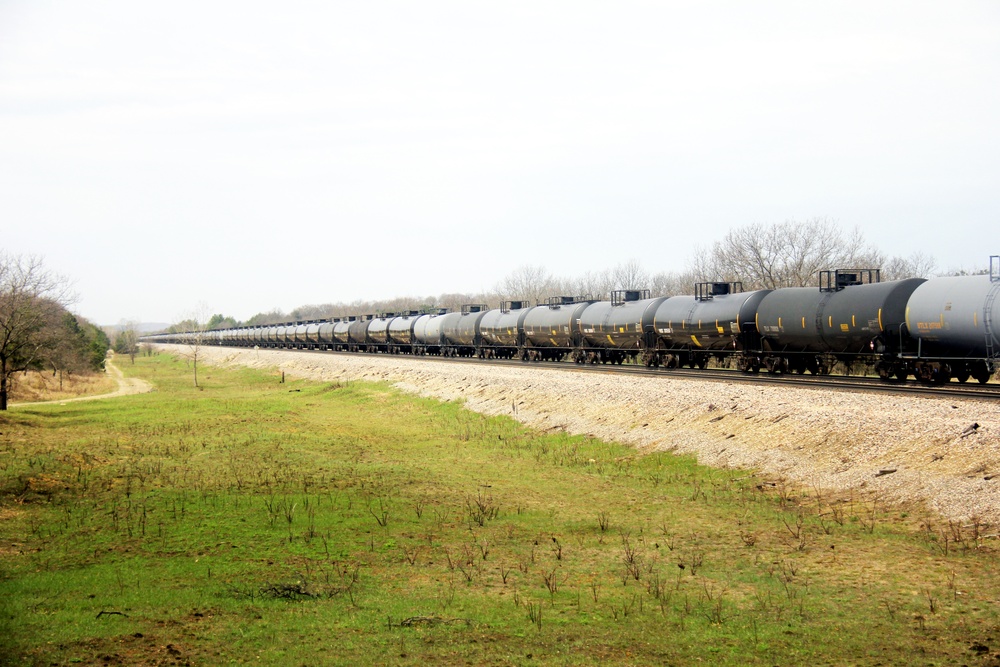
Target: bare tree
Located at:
point(788, 254)
point(673, 284)
point(196, 328)
point(32, 301)
point(530, 282)
point(127, 339)
point(630, 275)
point(917, 265)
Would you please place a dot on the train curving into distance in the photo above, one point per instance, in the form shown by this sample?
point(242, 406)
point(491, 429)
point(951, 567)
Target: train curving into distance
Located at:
point(935, 330)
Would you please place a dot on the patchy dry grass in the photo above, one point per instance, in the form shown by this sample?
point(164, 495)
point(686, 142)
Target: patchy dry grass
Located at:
point(307, 523)
point(35, 386)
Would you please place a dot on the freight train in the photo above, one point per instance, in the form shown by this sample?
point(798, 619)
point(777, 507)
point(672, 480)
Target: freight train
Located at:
point(934, 330)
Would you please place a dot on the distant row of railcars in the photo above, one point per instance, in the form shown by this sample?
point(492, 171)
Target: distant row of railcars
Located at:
point(934, 330)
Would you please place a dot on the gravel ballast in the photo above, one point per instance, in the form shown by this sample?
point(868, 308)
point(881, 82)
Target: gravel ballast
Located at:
point(898, 447)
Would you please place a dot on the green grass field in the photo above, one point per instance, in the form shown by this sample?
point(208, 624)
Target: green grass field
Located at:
point(254, 521)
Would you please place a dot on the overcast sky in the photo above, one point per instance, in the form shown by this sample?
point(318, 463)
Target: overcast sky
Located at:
point(246, 155)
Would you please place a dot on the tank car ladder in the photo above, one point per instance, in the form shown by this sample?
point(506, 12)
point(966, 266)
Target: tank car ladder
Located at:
point(991, 353)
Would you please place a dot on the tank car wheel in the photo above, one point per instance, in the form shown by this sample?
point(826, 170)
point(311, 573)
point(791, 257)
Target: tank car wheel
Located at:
point(884, 371)
point(962, 376)
point(982, 373)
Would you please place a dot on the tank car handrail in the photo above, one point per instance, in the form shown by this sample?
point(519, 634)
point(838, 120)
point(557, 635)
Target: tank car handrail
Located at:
point(622, 296)
point(556, 301)
point(834, 281)
point(705, 291)
point(514, 304)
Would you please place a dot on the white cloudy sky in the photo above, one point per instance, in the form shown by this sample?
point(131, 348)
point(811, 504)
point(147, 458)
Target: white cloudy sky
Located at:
point(255, 155)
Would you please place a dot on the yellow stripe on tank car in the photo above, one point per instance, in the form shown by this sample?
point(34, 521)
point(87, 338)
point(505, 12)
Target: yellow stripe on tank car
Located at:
point(610, 339)
point(975, 319)
point(853, 324)
point(695, 339)
point(829, 322)
point(803, 322)
point(779, 322)
point(880, 327)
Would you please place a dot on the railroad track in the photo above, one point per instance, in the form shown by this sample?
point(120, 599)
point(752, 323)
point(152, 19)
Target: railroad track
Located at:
point(966, 391)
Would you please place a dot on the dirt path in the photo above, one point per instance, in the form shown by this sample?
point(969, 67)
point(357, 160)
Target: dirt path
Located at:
point(126, 386)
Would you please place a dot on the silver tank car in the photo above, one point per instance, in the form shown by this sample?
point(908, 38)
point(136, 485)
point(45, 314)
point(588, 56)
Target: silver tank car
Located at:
point(357, 333)
point(615, 330)
point(500, 330)
point(850, 317)
point(300, 334)
point(427, 331)
point(719, 319)
point(325, 334)
point(552, 330)
point(280, 335)
point(461, 334)
point(342, 332)
point(312, 334)
point(955, 325)
point(378, 332)
point(401, 332)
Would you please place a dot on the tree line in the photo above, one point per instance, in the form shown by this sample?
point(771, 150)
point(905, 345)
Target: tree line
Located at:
point(760, 256)
point(37, 331)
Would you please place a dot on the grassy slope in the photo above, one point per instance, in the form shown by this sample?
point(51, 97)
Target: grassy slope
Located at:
point(300, 523)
